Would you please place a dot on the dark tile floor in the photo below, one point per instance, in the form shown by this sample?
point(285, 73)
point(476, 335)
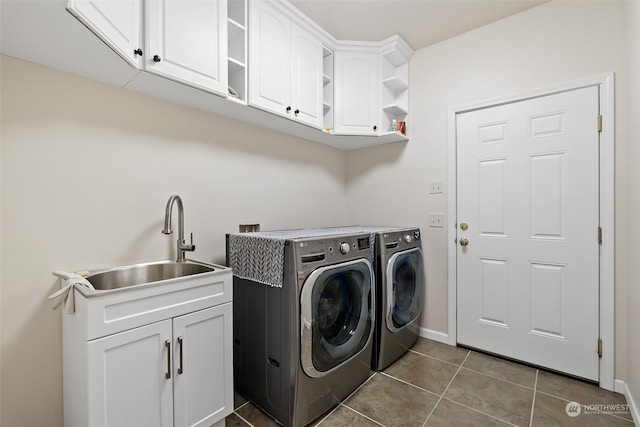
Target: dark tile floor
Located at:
point(439, 385)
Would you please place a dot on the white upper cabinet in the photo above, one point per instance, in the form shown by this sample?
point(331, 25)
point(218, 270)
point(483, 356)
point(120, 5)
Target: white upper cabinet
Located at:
point(269, 58)
point(187, 41)
point(306, 76)
point(357, 105)
point(117, 23)
point(263, 53)
point(285, 66)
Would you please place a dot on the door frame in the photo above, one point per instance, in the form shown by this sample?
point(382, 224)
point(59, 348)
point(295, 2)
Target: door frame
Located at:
point(607, 209)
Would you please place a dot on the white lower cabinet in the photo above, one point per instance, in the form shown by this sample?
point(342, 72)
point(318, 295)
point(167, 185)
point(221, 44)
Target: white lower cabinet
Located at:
point(202, 374)
point(127, 384)
point(159, 355)
point(169, 373)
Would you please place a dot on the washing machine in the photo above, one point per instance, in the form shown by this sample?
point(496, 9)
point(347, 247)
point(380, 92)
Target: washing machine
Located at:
point(399, 269)
point(304, 306)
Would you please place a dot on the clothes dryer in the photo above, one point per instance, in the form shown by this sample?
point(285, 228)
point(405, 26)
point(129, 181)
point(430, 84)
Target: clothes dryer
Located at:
point(303, 319)
point(399, 270)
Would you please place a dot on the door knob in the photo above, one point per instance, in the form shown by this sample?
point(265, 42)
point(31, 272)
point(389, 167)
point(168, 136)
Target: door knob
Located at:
point(464, 226)
point(464, 241)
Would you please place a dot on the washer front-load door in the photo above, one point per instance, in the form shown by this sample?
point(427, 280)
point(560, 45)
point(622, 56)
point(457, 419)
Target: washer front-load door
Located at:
point(405, 288)
point(336, 315)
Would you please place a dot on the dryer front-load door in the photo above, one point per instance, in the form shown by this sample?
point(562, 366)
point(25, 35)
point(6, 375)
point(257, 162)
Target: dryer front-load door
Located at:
point(405, 288)
point(336, 315)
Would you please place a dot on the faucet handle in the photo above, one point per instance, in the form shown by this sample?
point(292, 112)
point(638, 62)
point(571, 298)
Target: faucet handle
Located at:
point(191, 246)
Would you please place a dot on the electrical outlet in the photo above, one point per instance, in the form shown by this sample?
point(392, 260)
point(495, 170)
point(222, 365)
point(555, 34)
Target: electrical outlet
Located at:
point(436, 220)
point(436, 187)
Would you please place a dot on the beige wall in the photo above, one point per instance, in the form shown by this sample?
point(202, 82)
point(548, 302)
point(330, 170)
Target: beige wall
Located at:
point(633, 295)
point(550, 44)
point(86, 172)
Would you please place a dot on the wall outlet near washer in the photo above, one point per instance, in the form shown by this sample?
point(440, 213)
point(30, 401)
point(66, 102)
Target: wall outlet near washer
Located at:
point(436, 220)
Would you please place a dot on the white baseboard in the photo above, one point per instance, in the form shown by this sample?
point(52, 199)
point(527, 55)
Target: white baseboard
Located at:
point(633, 404)
point(619, 386)
point(434, 335)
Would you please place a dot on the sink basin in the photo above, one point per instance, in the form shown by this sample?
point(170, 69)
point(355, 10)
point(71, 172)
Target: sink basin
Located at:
point(132, 275)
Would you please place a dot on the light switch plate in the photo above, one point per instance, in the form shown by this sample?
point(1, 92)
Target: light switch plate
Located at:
point(436, 187)
point(436, 220)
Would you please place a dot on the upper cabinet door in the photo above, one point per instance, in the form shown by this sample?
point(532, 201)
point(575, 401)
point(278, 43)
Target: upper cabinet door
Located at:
point(306, 77)
point(269, 58)
point(357, 109)
point(117, 23)
point(187, 42)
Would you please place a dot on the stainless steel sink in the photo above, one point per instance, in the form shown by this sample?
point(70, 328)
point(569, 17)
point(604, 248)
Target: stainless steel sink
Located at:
point(132, 275)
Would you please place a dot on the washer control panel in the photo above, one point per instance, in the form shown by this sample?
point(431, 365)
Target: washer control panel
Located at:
point(345, 248)
point(333, 248)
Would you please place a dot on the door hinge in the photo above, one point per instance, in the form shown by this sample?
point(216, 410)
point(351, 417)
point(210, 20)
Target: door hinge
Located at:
point(600, 235)
point(599, 123)
point(599, 347)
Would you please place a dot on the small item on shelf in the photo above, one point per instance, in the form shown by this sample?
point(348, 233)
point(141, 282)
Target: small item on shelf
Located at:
point(232, 92)
point(394, 125)
point(402, 127)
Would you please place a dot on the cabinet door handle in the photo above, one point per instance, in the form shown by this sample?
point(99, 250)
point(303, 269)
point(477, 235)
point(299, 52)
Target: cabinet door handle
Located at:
point(137, 52)
point(296, 112)
point(288, 109)
point(375, 127)
point(180, 370)
point(156, 58)
point(167, 344)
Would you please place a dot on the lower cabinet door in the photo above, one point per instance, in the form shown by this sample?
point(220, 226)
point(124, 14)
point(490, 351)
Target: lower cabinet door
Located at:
point(130, 382)
point(203, 366)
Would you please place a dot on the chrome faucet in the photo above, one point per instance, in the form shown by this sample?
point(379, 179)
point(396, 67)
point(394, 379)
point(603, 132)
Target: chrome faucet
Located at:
point(181, 247)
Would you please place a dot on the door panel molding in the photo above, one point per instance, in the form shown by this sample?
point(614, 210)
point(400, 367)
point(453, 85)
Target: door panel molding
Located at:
point(605, 82)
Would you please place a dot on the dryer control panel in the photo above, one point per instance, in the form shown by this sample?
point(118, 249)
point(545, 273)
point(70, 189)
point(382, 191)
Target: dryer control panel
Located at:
point(398, 240)
point(312, 252)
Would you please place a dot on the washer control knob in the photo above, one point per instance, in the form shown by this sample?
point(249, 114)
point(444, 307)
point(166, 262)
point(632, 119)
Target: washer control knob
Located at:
point(344, 247)
point(408, 238)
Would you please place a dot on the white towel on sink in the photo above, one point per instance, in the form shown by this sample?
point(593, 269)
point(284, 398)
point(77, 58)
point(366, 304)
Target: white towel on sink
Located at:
point(65, 296)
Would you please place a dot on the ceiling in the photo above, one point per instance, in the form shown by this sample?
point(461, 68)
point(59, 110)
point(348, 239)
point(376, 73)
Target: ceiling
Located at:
point(420, 22)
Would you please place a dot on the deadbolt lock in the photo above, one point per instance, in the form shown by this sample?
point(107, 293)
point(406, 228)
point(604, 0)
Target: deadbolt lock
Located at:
point(464, 226)
point(464, 241)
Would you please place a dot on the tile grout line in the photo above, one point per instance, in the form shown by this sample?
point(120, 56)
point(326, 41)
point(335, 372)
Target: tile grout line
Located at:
point(500, 379)
point(473, 370)
point(243, 419)
point(533, 404)
point(445, 390)
point(363, 415)
point(465, 406)
point(408, 383)
point(342, 403)
point(435, 358)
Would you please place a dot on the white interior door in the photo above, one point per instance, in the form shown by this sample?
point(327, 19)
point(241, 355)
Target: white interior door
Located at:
point(527, 277)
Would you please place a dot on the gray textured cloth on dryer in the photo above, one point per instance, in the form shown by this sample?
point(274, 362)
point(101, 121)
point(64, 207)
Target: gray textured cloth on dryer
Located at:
point(259, 256)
